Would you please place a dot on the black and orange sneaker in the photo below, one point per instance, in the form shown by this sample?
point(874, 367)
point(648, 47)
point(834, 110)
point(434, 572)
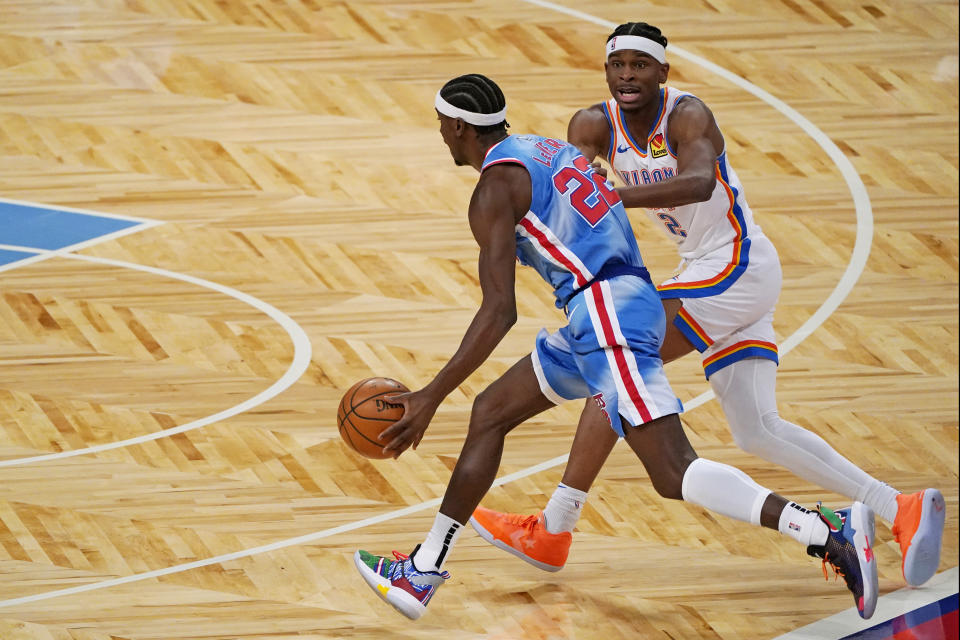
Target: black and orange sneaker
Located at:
point(849, 550)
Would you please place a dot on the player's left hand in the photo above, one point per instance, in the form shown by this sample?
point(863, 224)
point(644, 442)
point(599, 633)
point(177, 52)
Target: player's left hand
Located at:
point(599, 168)
point(418, 409)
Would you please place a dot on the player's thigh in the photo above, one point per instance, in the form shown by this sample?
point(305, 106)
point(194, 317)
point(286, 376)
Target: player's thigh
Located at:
point(510, 399)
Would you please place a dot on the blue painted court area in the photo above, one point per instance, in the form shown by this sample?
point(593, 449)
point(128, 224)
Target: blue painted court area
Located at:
point(37, 227)
point(935, 621)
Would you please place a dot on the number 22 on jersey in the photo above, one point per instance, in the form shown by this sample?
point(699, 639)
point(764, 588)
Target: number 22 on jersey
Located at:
point(592, 197)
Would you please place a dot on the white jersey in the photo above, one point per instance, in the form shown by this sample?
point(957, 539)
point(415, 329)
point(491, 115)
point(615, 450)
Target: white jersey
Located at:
point(699, 228)
point(731, 276)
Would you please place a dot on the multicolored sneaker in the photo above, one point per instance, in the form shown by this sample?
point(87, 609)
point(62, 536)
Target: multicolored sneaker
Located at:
point(524, 536)
point(918, 528)
point(399, 582)
point(849, 550)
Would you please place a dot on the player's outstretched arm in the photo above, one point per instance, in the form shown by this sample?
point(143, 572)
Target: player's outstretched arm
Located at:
point(501, 198)
point(589, 132)
point(698, 142)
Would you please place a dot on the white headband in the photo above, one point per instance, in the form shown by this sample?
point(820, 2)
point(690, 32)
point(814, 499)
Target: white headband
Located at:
point(637, 43)
point(479, 119)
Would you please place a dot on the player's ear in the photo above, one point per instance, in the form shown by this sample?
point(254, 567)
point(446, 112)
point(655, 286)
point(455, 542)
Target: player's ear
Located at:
point(664, 72)
point(459, 127)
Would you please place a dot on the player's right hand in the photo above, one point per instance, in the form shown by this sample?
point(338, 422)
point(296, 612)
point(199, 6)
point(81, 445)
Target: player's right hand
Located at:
point(418, 409)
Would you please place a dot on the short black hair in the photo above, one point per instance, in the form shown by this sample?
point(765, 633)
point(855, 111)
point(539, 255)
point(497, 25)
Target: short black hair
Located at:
point(641, 29)
point(477, 94)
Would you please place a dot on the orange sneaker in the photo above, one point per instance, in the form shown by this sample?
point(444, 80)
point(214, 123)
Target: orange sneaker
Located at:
point(524, 536)
point(918, 528)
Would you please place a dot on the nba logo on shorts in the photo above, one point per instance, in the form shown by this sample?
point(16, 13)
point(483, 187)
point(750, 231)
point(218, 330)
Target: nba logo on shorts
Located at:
point(603, 406)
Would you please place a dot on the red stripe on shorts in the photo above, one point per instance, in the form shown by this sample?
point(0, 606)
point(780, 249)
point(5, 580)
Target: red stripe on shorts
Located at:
point(618, 355)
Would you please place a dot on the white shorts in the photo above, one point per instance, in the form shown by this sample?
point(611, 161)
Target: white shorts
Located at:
point(728, 303)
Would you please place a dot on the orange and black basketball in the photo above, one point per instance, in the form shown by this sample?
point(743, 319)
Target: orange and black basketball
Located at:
point(365, 411)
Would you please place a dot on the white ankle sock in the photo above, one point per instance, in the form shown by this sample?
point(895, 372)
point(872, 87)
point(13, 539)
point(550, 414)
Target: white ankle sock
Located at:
point(882, 498)
point(563, 509)
point(803, 525)
point(433, 552)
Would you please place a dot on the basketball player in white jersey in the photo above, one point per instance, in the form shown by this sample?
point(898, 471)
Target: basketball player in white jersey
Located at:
point(665, 145)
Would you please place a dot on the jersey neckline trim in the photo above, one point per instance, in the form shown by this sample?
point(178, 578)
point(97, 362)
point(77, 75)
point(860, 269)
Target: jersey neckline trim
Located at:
point(621, 125)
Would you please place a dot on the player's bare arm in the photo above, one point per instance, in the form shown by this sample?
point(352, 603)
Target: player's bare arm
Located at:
point(589, 132)
point(501, 198)
point(698, 142)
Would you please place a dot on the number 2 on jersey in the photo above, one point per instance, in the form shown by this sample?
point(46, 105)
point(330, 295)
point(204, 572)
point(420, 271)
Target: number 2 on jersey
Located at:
point(591, 187)
point(673, 226)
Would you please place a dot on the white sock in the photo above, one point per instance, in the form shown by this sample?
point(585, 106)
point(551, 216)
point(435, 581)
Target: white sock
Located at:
point(803, 525)
point(733, 493)
point(433, 552)
point(882, 498)
point(563, 509)
point(747, 393)
point(724, 489)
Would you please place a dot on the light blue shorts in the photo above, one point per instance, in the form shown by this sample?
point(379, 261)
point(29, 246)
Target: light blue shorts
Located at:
point(610, 351)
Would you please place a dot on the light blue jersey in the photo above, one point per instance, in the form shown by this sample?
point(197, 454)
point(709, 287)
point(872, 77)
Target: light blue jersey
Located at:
point(576, 224)
point(578, 238)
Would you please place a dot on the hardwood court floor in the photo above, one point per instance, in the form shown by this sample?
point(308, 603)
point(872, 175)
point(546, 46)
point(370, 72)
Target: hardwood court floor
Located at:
point(290, 149)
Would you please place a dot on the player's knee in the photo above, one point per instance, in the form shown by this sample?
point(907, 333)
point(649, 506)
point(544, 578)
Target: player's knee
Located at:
point(669, 487)
point(667, 479)
point(750, 432)
point(759, 435)
point(486, 415)
point(747, 437)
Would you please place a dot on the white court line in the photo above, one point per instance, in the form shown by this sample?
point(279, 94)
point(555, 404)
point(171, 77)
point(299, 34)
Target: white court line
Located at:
point(45, 254)
point(301, 359)
point(864, 218)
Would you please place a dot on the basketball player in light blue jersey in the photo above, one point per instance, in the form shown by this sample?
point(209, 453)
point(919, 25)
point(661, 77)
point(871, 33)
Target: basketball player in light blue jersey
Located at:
point(666, 147)
point(538, 200)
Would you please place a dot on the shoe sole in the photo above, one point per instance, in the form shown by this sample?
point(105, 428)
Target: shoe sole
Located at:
point(864, 527)
point(499, 544)
point(922, 558)
point(397, 598)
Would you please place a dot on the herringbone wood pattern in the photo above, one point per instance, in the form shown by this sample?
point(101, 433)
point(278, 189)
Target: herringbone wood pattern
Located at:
point(291, 150)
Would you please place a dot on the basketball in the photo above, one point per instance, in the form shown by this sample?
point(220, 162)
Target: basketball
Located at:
point(365, 411)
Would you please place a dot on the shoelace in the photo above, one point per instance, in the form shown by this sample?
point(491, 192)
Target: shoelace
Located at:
point(525, 522)
point(394, 566)
point(400, 557)
point(837, 571)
